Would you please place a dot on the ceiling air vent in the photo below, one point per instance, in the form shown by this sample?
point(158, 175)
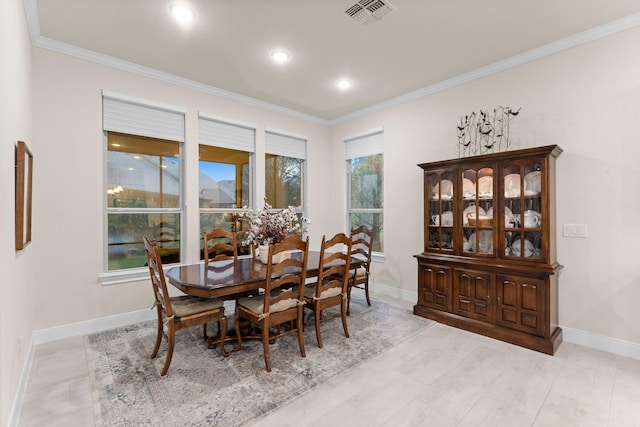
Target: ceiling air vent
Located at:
point(368, 11)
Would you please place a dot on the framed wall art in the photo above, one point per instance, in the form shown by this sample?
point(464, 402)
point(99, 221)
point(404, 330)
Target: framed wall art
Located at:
point(24, 180)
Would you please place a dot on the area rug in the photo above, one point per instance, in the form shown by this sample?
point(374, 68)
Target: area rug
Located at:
point(204, 389)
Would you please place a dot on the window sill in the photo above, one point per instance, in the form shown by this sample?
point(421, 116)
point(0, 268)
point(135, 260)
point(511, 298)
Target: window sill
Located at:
point(116, 277)
point(377, 257)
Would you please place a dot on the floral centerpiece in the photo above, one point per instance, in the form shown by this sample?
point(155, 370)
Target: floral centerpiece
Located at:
point(267, 225)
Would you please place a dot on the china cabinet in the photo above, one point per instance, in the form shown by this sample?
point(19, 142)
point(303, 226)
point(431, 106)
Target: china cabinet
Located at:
point(489, 259)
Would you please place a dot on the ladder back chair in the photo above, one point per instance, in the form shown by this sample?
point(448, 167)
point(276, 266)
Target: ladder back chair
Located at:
point(181, 312)
point(362, 243)
point(219, 244)
point(331, 287)
point(282, 300)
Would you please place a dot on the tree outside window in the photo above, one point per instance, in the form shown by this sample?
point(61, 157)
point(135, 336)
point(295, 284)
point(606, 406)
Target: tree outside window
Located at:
point(283, 181)
point(366, 195)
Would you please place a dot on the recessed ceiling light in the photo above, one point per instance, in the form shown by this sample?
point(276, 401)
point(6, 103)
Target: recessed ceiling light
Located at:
point(280, 56)
point(343, 84)
point(182, 12)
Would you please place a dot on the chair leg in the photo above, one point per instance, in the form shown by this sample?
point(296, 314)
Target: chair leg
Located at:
point(204, 331)
point(299, 325)
point(172, 341)
point(158, 338)
point(236, 325)
point(343, 310)
point(366, 290)
point(318, 320)
point(222, 328)
point(265, 345)
point(349, 299)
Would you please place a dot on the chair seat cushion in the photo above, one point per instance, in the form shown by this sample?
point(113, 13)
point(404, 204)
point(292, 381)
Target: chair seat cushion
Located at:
point(310, 292)
point(187, 305)
point(360, 272)
point(256, 304)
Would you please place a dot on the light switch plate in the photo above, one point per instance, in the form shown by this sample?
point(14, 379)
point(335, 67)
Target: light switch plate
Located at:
point(574, 230)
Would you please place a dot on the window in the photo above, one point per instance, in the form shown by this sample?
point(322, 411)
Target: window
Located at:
point(365, 185)
point(143, 185)
point(225, 178)
point(284, 170)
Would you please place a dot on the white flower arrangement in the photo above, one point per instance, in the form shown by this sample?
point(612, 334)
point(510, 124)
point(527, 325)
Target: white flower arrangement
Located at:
point(267, 225)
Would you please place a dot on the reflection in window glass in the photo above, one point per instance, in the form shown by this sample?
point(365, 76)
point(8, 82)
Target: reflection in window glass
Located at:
point(143, 194)
point(224, 184)
point(283, 181)
point(366, 195)
point(224, 177)
point(126, 247)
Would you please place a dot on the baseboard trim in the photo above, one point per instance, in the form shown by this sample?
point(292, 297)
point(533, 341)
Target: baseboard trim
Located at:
point(574, 336)
point(601, 342)
point(389, 291)
point(16, 408)
point(92, 326)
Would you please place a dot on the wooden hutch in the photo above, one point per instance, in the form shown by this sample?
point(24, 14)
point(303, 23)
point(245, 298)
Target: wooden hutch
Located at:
point(489, 261)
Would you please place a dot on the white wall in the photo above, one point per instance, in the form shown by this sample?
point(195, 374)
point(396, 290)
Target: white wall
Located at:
point(67, 115)
point(586, 100)
point(16, 268)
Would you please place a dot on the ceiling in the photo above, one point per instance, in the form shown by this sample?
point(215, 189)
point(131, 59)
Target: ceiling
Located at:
point(225, 49)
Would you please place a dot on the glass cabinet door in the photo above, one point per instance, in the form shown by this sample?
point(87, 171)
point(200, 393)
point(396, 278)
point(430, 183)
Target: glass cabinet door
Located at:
point(441, 210)
point(523, 210)
point(477, 215)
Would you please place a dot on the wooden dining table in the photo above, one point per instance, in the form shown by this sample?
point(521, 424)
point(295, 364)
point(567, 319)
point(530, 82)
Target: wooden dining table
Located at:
point(233, 277)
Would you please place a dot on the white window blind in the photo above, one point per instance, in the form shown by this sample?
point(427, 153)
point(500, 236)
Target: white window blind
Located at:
point(366, 145)
point(135, 117)
point(226, 135)
point(285, 145)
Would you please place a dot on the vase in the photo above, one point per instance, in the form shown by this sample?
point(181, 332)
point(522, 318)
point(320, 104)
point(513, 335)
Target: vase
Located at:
point(263, 254)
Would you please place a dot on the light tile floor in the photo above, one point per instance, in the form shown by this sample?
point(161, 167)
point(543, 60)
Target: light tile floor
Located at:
point(440, 377)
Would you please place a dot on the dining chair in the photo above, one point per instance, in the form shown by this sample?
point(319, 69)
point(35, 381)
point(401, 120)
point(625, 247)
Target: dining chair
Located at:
point(282, 299)
point(330, 289)
point(219, 244)
point(179, 312)
point(361, 247)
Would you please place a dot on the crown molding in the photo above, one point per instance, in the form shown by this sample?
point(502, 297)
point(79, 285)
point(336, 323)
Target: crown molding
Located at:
point(595, 33)
point(109, 61)
point(613, 27)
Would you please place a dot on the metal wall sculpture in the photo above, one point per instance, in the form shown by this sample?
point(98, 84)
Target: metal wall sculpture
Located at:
point(485, 132)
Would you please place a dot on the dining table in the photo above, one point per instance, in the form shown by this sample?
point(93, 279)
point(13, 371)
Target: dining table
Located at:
point(227, 278)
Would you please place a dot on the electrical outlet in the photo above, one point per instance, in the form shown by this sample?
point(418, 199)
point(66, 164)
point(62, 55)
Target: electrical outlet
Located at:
point(574, 230)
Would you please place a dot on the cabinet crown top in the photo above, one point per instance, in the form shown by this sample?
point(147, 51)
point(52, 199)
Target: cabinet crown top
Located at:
point(546, 150)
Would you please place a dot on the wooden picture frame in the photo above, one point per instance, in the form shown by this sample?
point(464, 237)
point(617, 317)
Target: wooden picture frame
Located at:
point(24, 180)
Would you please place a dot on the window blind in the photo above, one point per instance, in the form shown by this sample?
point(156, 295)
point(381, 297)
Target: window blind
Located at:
point(365, 145)
point(284, 145)
point(226, 135)
point(135, 117)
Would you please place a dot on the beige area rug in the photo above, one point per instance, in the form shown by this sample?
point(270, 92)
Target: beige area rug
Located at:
point(204, 389)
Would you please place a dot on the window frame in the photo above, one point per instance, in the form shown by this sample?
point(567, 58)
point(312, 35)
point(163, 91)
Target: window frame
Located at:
point(117, 111)
point(227, 142)
point(365, 144)
point(284, 144)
